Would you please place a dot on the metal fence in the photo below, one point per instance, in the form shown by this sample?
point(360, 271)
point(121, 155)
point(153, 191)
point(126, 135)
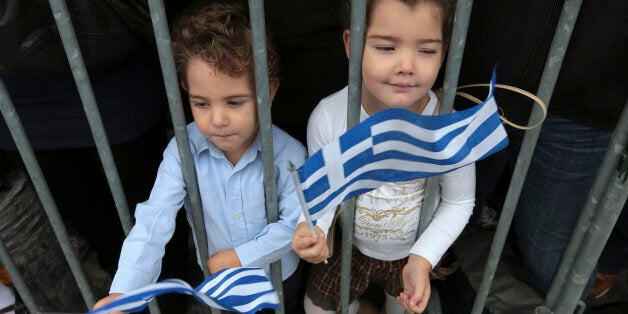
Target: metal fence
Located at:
point(603, 205)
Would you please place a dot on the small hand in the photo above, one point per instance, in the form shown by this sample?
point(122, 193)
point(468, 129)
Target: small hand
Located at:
point(102, 302)
point(309, 248)
point(223, 259)
point(416, 284)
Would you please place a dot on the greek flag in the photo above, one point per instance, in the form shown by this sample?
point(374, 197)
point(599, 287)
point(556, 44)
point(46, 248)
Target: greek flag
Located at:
point(242, 290)
point(397, 145)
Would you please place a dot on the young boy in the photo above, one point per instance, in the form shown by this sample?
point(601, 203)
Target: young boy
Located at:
point(214, 57)
point(404, 48)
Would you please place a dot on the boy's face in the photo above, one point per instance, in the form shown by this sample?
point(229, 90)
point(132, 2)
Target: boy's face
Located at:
point(224, 107)
point(403, 52)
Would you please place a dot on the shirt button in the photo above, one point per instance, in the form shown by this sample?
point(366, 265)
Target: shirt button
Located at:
point(236, 217)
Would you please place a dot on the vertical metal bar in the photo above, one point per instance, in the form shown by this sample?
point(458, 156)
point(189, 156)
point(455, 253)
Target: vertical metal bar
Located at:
point(260, 54)
point(162, 36)
point(593, 243)
point(611, 158)
point(81, 78)
point(39, 182)
point(456, 51)
point(16, 277)
point(168, 69)
point(356, 42)
point(554, 61)
point(88, 99)
point(452, 71)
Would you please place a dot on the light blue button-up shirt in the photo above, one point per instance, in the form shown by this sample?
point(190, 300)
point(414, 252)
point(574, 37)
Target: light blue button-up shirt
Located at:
point(233, 208)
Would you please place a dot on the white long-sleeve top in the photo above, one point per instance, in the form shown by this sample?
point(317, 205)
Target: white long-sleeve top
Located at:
point(387, 219)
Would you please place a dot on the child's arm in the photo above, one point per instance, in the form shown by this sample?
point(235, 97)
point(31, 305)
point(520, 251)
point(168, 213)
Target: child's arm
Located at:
point(416, 284)
point(456, 205)
point(140, 258)
point(455, 208)
point(273, 241)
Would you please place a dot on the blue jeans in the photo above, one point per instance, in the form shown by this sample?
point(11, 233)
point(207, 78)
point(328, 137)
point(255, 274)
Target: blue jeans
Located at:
point(562, 171)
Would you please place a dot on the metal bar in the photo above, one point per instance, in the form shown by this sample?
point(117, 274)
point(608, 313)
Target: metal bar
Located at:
point(168, 69)
point(456, 51)
point(18, 281)
point(452, 71)
point(553, 64)
point(260, 55)
point(356, 42)
point(39, 182)
point(162, 36)
point(81, 78)
point(611, 158)
point(592, 245)
point(88, 99)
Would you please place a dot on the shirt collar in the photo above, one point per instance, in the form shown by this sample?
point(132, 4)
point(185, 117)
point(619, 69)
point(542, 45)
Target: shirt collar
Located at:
point(204, 144)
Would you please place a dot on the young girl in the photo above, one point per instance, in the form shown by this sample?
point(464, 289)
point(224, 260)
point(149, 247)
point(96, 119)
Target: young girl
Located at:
point(404, 49)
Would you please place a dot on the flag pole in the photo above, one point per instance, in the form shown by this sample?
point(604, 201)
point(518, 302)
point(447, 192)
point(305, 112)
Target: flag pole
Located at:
point(304, 209)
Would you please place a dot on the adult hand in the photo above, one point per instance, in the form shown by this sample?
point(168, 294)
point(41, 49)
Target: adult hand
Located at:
point(309, 248)
point(416, 284)
point(223, 259)
point(106, 300)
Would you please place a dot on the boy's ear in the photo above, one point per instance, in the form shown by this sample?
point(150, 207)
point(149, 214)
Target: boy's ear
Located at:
point(346, 38)
point(273, 85)
point(183, 86)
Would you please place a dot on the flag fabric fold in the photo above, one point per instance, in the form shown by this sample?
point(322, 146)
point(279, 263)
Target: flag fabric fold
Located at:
point(241, 290)
point(397, 145)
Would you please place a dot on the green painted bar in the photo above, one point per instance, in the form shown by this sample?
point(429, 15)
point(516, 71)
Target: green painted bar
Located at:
point(166, 59)
point(260, 54)
point(358, 19)
point(609, 211)
point(164, 47)
point(81, 78)
point(47, 201)
point(599, 230)
point(554, 61)
point(588, 212)
point(452, 71)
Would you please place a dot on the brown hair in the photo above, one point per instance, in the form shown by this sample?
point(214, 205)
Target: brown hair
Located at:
point(219, 34)
point(446, 7)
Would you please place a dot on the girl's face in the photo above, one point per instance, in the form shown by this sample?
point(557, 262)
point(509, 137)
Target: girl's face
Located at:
point(403, 52)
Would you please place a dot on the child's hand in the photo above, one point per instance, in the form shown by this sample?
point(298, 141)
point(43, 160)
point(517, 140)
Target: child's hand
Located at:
point(223, 259)
point(108, 299)
point(309, 248)
point(416, 284)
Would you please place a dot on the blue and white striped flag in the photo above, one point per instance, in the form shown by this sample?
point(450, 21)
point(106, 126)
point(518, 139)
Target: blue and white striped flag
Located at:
point(397, 145)
point(242, 290)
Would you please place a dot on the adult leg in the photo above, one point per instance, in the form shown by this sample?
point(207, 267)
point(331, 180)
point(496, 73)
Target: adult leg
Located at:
point(562, 170)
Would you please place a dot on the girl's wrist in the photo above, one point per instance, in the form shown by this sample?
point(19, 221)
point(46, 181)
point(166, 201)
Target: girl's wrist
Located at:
point(420, 262)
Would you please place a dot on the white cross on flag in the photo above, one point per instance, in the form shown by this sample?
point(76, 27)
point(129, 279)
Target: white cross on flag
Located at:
point(397, 145)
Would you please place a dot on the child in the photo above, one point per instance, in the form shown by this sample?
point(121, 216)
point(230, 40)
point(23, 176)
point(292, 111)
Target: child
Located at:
point(405, 45)
point(214, 57)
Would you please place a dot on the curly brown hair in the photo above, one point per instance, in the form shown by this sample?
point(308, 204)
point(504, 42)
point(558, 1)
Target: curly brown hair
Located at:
point(219, 34)
point(446, 7)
